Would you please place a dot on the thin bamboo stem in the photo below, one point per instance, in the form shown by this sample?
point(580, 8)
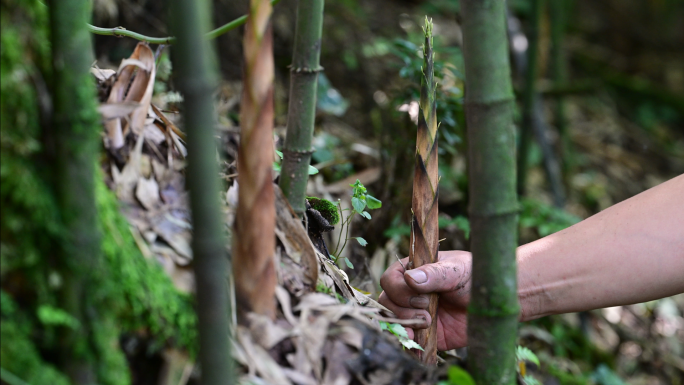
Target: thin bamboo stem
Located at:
point(123, 32)
point(302, 108)
point(197, 77)
point(526, 130)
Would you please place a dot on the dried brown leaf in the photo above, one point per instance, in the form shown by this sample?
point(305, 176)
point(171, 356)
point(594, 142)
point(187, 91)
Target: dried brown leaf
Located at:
point(147, 192)
point(173, 225)
point(132, 89)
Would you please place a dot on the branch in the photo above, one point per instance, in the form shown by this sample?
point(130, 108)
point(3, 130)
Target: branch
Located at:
point(123, 32)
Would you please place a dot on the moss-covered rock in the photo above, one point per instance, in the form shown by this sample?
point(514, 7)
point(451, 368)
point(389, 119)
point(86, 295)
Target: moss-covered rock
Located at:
point(327, 209)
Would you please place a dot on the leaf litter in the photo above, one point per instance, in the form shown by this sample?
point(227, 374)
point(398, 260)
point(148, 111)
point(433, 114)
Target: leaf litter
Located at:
point(331, 338)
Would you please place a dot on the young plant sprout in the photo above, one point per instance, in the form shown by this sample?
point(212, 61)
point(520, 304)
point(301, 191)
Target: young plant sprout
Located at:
point(361, 201)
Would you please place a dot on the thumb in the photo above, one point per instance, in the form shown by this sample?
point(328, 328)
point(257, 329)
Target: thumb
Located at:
point(443, 276)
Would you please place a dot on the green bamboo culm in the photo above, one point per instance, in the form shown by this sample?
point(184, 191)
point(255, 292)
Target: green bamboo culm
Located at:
point(558, 10)
point(76, 129)
point(196, 79)
point(529, 94)
point(302, 108)
point(424, 245)
point(493, 310)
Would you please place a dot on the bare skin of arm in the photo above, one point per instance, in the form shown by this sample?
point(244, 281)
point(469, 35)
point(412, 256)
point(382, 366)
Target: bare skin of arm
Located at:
point(631, 252)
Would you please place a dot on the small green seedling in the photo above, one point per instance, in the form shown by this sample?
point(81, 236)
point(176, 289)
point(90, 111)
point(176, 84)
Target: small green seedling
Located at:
point(398, 331)
point(523, 354)
point(361, 201)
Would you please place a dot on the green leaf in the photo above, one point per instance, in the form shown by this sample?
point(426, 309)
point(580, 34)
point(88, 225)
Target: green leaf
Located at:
point(366, 215)
point(529, 380)
point(373, 203)
point(524, 354)
point(280, 154)
point(276, 166)
point(349, 264)
point(384, 325)
point(361, 241)
point(358, 204)
point(410, 344)
point(398, 330)
point(313, 170)
point(359, 189)
point(458, 376)
point(49, 315)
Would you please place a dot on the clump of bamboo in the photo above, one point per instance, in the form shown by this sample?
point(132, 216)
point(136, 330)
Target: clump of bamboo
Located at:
point(424, 227)
point(196, 80)
point(254, 240)
point(493, 206)
point(302, 108)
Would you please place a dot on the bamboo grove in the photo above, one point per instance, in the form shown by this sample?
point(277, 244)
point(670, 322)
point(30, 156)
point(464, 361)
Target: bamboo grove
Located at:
point(251, 264)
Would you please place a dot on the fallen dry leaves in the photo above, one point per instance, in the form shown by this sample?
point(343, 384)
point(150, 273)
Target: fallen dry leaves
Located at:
point(315, 338)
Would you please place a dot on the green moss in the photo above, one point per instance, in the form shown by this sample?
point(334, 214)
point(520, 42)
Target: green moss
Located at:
point(129, 293)
point(327, 209)
point(142, 292)
point(18, 353)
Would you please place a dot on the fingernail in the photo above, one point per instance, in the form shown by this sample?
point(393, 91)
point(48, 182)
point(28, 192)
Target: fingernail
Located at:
point(417, 275)
point(419, 302)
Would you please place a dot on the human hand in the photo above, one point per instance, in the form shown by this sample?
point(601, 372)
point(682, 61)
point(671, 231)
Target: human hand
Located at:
point(405, 293)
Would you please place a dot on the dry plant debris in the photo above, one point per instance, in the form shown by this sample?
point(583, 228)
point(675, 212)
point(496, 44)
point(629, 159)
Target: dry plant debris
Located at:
point(332, 338)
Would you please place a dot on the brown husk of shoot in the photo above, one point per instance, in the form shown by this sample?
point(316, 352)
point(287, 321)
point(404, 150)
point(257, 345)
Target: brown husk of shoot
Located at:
point(424, 227)
point(254, 240)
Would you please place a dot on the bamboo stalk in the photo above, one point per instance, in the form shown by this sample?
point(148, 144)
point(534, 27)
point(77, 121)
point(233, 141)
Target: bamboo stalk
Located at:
point(558, 10)
point(425, 227)
point(302, 108)
point(254, 240)
point(529, 93)
point(76, 125)
point(493, 309)
point(193, 62)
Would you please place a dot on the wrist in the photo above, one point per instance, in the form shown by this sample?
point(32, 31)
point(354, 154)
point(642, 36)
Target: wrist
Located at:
point(532, 296)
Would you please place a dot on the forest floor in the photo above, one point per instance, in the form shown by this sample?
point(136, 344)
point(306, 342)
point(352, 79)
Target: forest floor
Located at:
point(621, 144)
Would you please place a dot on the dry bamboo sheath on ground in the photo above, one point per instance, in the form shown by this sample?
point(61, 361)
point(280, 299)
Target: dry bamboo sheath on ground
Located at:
point(424, 226)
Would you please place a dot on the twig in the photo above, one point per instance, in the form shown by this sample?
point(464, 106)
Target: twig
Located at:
point(402, 265)
point(123, 32)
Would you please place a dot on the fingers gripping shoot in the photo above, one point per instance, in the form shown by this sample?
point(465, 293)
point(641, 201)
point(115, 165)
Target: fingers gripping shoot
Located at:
point(404, 293)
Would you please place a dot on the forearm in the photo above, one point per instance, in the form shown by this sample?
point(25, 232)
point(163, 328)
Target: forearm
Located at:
point(631, 252)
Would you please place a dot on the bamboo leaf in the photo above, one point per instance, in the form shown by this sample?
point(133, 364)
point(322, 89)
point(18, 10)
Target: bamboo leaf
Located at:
point(348, 263)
